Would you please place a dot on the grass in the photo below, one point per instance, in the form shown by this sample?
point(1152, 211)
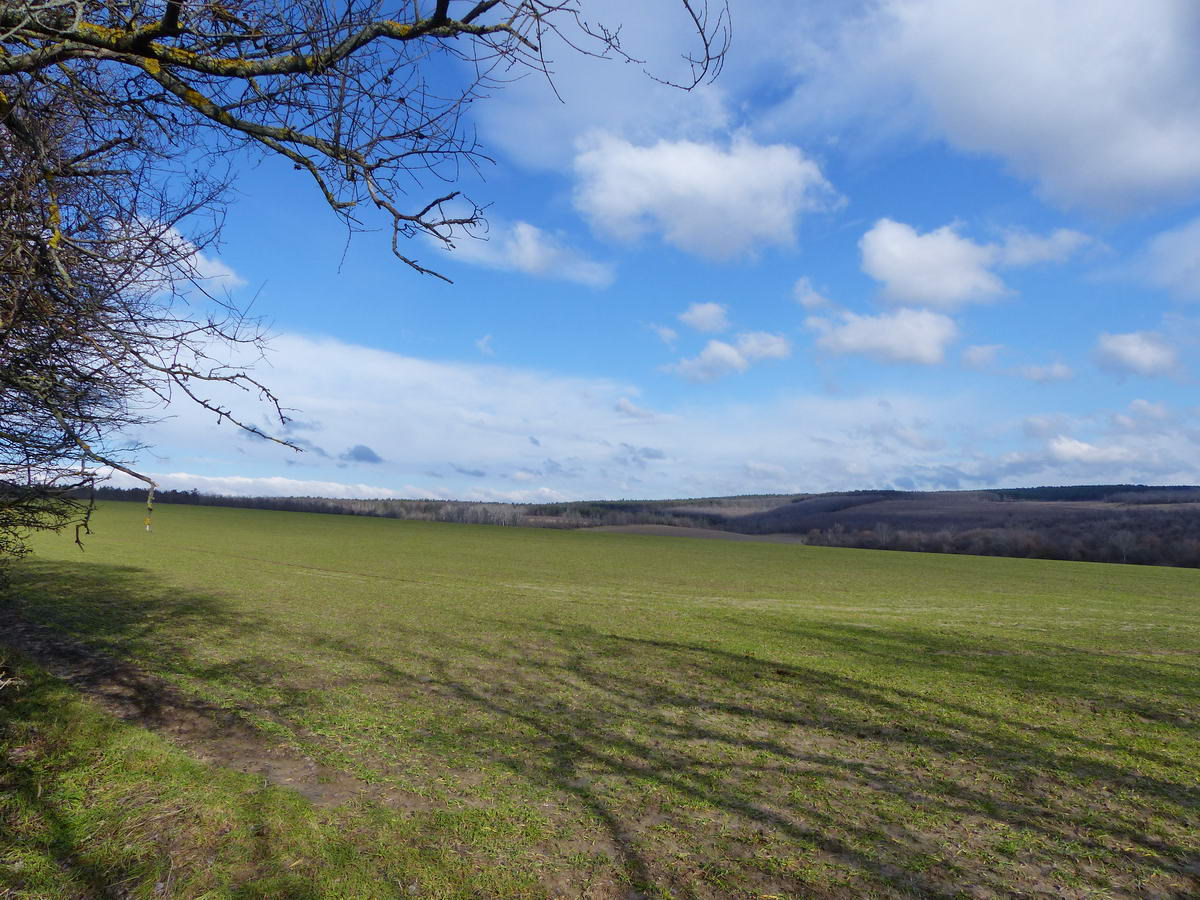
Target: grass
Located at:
point(591, 715)
point(91, 807)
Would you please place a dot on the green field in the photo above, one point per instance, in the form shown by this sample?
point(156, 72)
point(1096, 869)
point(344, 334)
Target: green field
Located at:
point(540, 713)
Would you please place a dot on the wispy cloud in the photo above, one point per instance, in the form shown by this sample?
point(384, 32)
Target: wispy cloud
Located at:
point(527, 249)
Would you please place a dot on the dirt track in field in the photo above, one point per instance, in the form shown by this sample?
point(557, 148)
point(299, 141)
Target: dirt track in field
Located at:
point(208, 732)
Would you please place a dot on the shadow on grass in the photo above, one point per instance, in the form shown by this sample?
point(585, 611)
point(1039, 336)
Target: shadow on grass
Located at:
point(919, 792)
point(900, 762)
point(117, 607)
point(76, 823)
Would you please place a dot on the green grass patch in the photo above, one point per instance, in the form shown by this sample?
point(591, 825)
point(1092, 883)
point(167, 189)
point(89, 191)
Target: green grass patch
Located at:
point(592, 713)
point(92, 807)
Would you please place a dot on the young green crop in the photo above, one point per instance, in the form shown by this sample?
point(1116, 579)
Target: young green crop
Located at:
point(593, 713)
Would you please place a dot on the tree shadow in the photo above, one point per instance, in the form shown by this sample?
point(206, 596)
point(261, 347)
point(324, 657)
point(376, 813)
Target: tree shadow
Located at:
point(897, 762)
point(68, 830)
point(603, 718)
point(117, 607)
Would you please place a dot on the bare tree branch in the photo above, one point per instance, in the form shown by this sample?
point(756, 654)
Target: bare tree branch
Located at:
point(116, 121)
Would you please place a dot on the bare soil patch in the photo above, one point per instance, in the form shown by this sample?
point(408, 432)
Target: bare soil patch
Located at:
point(208, 732)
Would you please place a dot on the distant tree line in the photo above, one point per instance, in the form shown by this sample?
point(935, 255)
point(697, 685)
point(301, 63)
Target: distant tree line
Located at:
point(461, 511)
point(1161, 540)
point(1096, 523)
point(549, 515)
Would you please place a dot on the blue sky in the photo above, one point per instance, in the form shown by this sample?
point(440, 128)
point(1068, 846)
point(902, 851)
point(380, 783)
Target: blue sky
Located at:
point(909, 243)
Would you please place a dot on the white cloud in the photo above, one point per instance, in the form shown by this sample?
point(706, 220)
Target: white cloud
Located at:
point(261, 486)
point(1043, 426)
point(419, 415)
point(1055, 371)
point(528, 249)
point(981, 356)
point(906, 335)
point(705, 199)
point(943, 269)
point(432, 421)
point(1069, 450)
point(1021, 248)
point(808, 296)
point(484, 345)
point(536, 121)
point(628, 408)
point(174, 263)
point(1148, 410)
point(533, 495)
point(1137, 353)
point(1097, 102)
point(938, 268)
point(665, 333)
point(215, 274)
point(714, 361)
point(1172, 260)
point(756, 345)
point(1142, 415)
point(705, 317)
point(719, 358)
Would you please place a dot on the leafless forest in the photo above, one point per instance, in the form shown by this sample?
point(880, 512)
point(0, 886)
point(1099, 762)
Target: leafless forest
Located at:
point(1099, 523)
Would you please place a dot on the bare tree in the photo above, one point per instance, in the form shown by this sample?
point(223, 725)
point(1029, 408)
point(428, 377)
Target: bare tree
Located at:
point(349, 92)
point(119, 120)
point(95, 322)
point(1124, 542)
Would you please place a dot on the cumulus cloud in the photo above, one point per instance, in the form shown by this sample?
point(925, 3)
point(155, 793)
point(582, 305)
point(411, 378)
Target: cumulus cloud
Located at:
point(537, 123)
point(1172, 260)
point(214, 273)
point(525, 248)
point(714, 361)
point(172, 262)
point(807, 296)
point(719, 358)
point(939, 268)
point(713, 201)
point(1098, 103)
point(666, 334)
point(943, 269)
point(1136, 353)
point(1068, 449)
point(906, 335)
point(1022, 248)
point(1055, 371)
point(1142, 415)
point(756, 345)
point(705, 317)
